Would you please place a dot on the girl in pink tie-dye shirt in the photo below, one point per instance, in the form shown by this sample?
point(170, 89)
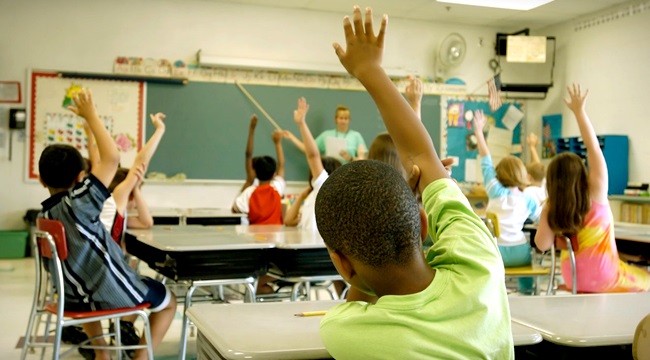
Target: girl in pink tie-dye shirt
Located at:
point(577, 207)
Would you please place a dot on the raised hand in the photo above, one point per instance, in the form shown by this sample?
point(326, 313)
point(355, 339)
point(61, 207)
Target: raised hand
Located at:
point(301, 111)
point(84, 105)
point(532, 139)
point(157, 121)
point(577, 100)
point(277, 136)
point(413, 90)
point(479, 121)
point(364, 51)
point(253, 123)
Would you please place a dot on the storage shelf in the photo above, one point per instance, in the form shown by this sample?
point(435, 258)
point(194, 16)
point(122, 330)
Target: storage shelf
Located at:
point(636, 199)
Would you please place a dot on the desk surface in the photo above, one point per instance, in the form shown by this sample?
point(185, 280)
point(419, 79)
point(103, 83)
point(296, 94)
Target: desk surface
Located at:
point(226, 237)
point(277, 332)
point(582, 320)
point(193, 212)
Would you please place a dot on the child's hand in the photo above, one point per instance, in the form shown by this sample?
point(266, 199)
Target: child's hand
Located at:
point(277, 136)
point(364, 50)
point(346, 155)
point(414, 178)
point(140, 172)
point(253, 123)
point(413, 90)
point(479, 121)
point(84, 105)
point(447, 163)
point(157, 121)
point(532, 139)
point(301, 111)
point(577, 100)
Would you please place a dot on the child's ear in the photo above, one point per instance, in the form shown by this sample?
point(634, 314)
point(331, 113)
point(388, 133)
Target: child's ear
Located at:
point(80, 176)
point(425, 224)
point(342, 264)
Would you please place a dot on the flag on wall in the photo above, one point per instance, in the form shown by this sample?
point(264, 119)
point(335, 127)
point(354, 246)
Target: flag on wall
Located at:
point(494, 94)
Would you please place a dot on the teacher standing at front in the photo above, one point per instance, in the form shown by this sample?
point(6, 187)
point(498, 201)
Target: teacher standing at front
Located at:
point(342, 142)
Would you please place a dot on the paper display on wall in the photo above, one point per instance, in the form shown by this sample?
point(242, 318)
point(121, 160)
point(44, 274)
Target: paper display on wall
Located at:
point(473, 171)
point(512, 117)
point(499, 143)
point(118, 103)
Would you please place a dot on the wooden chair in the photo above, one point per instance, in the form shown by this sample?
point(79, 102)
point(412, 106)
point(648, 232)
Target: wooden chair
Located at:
point(641, 342)
point(50, 246)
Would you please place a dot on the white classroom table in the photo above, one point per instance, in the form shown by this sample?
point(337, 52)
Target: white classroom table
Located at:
point(272, 331)
point(582, 320)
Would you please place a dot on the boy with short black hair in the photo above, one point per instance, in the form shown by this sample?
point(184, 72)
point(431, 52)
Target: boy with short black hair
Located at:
point(453, 304)
point(261, 195)
point(96, 275)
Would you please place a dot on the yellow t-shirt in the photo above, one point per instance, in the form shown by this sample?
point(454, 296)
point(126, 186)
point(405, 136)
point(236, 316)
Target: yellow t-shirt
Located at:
point(462, 314)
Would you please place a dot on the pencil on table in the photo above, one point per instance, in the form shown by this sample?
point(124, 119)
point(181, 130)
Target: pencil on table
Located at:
point(311, 313)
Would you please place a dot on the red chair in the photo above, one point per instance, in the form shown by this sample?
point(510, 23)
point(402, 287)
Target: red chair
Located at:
point(49, 242)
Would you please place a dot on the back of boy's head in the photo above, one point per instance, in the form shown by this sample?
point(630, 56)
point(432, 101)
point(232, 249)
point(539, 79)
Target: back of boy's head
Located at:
point(511, 172)
point(366, 211)
point(264, 167)
point(59, 166)
point(536, 170)
point(329, 164)
point(120, 175)
point(383, 149)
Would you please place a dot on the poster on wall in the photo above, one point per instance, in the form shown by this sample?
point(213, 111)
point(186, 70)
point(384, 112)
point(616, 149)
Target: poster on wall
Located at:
point(119, 106)
point(551, 131)
point(503, 133)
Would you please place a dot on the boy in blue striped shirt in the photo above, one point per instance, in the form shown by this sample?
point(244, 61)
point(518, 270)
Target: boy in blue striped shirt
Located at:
point(96, 275)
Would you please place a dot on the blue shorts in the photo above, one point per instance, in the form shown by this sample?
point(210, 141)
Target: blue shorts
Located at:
point(158, 295)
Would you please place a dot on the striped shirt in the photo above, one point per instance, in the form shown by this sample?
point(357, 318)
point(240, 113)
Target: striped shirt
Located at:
point(96, 275)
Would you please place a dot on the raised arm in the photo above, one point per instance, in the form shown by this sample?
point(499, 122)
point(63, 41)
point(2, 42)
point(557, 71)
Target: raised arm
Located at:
point(143, 218)
point(479, 124)
point(311, 150)
point(248, 160)
point(362, 59)
point(413, 92)
point(93, 152)
point(532, 140)
point(277, 140)
point(109, 158)
point(135, 176)
point(597, 176)
point(289, 135)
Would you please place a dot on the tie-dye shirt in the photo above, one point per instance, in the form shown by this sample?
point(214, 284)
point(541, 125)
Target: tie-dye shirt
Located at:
point(599, 268)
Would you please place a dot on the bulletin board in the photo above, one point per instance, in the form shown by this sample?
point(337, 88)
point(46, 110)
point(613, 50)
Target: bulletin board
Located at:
point(119, 105)
point(458, 128)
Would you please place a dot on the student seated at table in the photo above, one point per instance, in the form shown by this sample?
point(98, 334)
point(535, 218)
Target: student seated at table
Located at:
point(261, 195)
point(97, 277)
point(453, 304)
point(536, 171)
point(505, 186)
point(577, 207)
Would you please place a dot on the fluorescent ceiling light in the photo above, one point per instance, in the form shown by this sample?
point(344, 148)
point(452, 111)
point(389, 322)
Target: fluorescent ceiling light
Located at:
point(501, 4)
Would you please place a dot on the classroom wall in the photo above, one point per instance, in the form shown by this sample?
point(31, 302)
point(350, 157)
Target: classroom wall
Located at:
point(612, 59)
point(87, 36)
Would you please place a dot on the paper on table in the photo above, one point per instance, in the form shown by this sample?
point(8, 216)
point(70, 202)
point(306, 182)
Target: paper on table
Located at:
point(473, 171)
point(512, 117)
point(334, 146)
point(499, 143)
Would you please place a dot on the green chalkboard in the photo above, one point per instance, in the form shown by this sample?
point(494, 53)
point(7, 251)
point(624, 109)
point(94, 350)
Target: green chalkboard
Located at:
point(207, 125)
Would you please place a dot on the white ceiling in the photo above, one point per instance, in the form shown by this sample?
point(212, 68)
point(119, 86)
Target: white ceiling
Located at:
point(556, 12)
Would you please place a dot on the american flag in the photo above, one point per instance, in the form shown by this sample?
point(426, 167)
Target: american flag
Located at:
point(494, 94)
